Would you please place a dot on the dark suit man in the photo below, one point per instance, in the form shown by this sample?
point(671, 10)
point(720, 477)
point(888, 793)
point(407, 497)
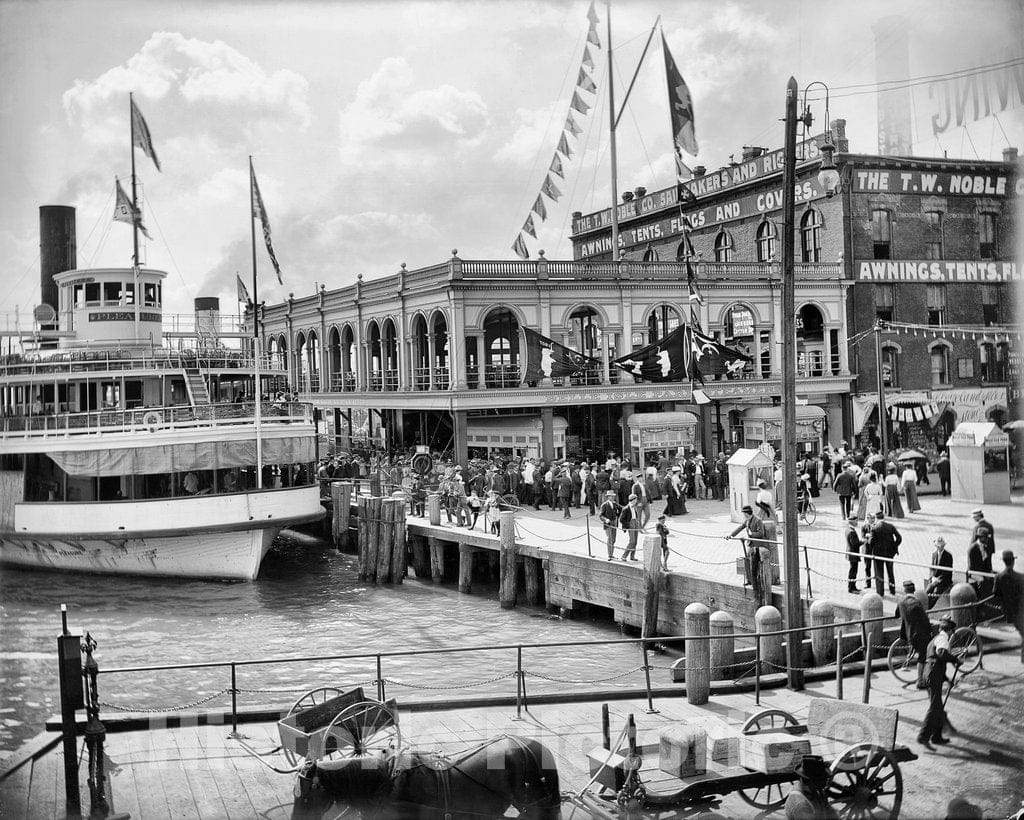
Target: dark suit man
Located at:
point(845, 486)
point(941, 579)
point(885, 542)
point(943, 469)
point(853, 544)
point(915, 627)
point(979, 524)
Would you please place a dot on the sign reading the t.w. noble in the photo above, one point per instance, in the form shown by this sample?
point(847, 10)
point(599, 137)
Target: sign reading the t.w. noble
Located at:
point(932, 271)
point(921, 182)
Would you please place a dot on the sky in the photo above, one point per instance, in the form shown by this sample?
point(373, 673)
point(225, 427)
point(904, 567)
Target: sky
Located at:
point(394, 132)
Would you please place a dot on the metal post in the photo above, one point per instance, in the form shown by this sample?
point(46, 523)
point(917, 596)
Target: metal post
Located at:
point(234, 701)
point(606, 737)
point(69, 656)
point(380, 680)
point(647, 681)
point(839, 666)
point(794, 606)
point(519, 683)
point(757, 670)
point(867, 673)
point(95, 733)
point(589, 553)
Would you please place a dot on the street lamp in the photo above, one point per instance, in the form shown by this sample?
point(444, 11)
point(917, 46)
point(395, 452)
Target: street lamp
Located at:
point(828, 174)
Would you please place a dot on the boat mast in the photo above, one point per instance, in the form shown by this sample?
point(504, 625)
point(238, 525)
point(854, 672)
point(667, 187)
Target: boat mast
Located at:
point(135, 216)
point(256, 334)
point(611, 121)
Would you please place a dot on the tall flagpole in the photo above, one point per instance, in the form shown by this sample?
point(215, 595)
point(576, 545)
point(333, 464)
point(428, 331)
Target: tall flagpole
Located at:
point(256, 334)
point(135, 216)
point(611, 120)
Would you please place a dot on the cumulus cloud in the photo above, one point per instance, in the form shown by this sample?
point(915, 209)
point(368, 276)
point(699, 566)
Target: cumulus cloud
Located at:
point(192, 76)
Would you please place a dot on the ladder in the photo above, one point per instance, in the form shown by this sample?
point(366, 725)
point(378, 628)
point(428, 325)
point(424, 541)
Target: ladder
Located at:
point(197, 392)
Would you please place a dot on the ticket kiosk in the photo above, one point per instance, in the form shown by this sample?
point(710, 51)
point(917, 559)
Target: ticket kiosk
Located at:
point(979, 463)
point(746, 468)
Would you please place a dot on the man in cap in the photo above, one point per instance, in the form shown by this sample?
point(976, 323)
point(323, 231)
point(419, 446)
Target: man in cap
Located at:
point(845, 487)
point(854, 542)
point(1008, 590)
point(565, 491)
point(609, 513)
point(915, 627)
point(630, 518)
point(937, 658)
point(752, 546)
point(809, 800)
point(943, 468)
point(941, 579)
point(981, 524)
point(885, 542)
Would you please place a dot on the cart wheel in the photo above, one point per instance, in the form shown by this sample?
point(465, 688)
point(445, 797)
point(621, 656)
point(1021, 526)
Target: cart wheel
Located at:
point(769, 719)
point(363, 728)
point(314, 697)
point(866, 783)
point(770, 797)
point(903, 661)
point(966, 645)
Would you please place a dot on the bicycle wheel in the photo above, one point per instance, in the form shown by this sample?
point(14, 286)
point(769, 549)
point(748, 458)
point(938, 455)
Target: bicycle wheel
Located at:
point(810, 514)
point(965, 645)
point(903, 661)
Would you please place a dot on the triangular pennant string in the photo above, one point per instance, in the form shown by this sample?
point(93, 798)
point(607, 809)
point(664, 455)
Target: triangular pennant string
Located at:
point(577, 104)
point(519, 246)
point(549, 189)
point(571, 126)
point(588, 61)
point(556, 166)
point(563, 146)
point(539, 209)
point(583, 81)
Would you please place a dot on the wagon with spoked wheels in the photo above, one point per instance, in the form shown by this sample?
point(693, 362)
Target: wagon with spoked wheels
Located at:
point(695, 764)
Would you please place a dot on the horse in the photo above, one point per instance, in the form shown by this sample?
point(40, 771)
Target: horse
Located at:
point(482, 782)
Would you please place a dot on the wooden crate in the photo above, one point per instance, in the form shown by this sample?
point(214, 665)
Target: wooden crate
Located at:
point(723, 740)
point(771, 752)
point(683, 750)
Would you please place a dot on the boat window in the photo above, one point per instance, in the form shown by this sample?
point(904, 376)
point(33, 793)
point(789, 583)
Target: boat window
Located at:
point(129, 293)
point(92, 293)
point(149, 295)
point(79, 295)
point(111, 292)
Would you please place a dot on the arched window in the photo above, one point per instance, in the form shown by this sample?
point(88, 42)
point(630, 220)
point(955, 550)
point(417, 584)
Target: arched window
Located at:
point(348, 360)
point(881, 233)
point(389, 351)
point(501, 348)
point(767, 237)
point(650, 255)
point(420, 354)
point(939, 353)
point(723, 247)
point(810, 236)
point(662, 321)
point(334, 359)
point(301, 369)
point(282, 353)
point(313, 361)
point(376, 360)
point(685, 251)
point(439, 330)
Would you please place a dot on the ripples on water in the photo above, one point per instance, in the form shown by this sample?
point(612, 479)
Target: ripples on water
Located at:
point(307, 601)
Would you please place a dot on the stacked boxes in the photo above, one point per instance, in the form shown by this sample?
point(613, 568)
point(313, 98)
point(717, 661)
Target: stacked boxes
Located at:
point(683, 750)
point(771, 752)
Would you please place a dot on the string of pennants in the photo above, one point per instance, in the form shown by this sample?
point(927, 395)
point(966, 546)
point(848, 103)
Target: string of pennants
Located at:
point(918, 412)
point(579, 105)
point(952, 331)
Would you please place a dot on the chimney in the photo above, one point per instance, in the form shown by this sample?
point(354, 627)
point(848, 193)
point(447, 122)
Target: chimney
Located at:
point(207, 320)
point(1009, 154)
point(627, 196)
point(839, 136)
point(892, 64)
point(699, 171)
point(752, 152)
point(57, 251)
point(640, 192)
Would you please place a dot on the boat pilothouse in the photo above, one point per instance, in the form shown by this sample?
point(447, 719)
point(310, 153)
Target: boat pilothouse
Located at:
point(131, 447)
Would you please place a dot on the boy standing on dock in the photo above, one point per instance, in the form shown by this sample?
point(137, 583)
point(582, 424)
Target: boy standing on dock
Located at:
point(610, 518)
point(662, 530)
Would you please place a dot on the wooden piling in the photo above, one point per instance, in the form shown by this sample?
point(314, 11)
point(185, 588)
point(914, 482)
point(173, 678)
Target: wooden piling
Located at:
point(363, 537)
point(399, 551)
point(434, 509)
point(466, 567)
point(769, 619)
point(823, 641)
point(652, 585)
point(341, 502)
point(723, 644)
point(420, 556)
point(696, 620)
point(385, 541)
point(960, 595)
point(436, 560)
point(373, 510)
point(532, 574)
point(375, 485)
point(507, 584)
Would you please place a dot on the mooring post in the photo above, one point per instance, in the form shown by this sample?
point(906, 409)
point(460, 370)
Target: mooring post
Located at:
point(420, 556)
point(769, 619)
point(697, 628)
point(399, 551)
point(822, 637)
point(652, 585)
point(871, 611)
point(436, 559)
point(434, 509)
point(466, 567)
point(723, 644)
point(960, 598)
point(69, 660)
point(839, 666)
point(95, 734)
point(507, 535)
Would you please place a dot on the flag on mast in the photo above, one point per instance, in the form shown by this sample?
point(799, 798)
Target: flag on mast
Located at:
point(124, 211)
point(519, 246)
point(259, 211)
point(680, 105)
point(243, 291)
point(140, 135)
point(666, 360)
point(546, 358)
point(549, 189)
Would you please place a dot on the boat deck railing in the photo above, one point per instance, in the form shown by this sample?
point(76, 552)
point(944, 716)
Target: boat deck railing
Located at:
point(88, 361)
point(153, 419)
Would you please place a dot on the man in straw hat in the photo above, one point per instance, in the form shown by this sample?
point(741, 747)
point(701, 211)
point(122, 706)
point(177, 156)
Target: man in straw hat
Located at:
point(937, 658)
point(809, 799)
point(609, 513)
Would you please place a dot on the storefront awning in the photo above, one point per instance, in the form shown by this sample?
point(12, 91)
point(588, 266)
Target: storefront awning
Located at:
point(661, 421)
point(177, 458)
point(804, 412)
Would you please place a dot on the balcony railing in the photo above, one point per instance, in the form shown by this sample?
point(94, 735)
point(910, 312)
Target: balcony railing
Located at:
point(502, 375)
point(84, 361)
point(540, 269)
point(147, 419)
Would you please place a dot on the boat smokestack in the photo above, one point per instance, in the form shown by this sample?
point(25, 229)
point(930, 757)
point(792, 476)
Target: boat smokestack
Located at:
point(57, 248)
point(207, 320)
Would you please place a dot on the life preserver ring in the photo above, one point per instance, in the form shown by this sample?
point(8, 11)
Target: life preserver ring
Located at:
point(152, 420)
point(422, 463)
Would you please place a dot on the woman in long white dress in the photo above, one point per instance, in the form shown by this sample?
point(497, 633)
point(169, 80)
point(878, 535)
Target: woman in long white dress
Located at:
point(873, 495)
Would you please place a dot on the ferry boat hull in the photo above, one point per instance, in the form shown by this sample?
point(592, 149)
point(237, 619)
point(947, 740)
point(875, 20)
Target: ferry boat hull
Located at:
point(161, 543)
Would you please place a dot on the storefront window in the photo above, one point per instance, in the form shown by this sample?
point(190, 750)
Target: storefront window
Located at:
point(881, 234)
point(810, 236)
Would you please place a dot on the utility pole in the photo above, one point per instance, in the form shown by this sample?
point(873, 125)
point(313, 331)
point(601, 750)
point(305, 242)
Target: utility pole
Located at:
point(791, 546)
point(883, 415)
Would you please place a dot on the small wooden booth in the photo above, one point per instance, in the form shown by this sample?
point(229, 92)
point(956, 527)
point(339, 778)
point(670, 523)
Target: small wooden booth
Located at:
point(746, 467)
point(979, 463)
point(655, 434)
point(764, 425)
